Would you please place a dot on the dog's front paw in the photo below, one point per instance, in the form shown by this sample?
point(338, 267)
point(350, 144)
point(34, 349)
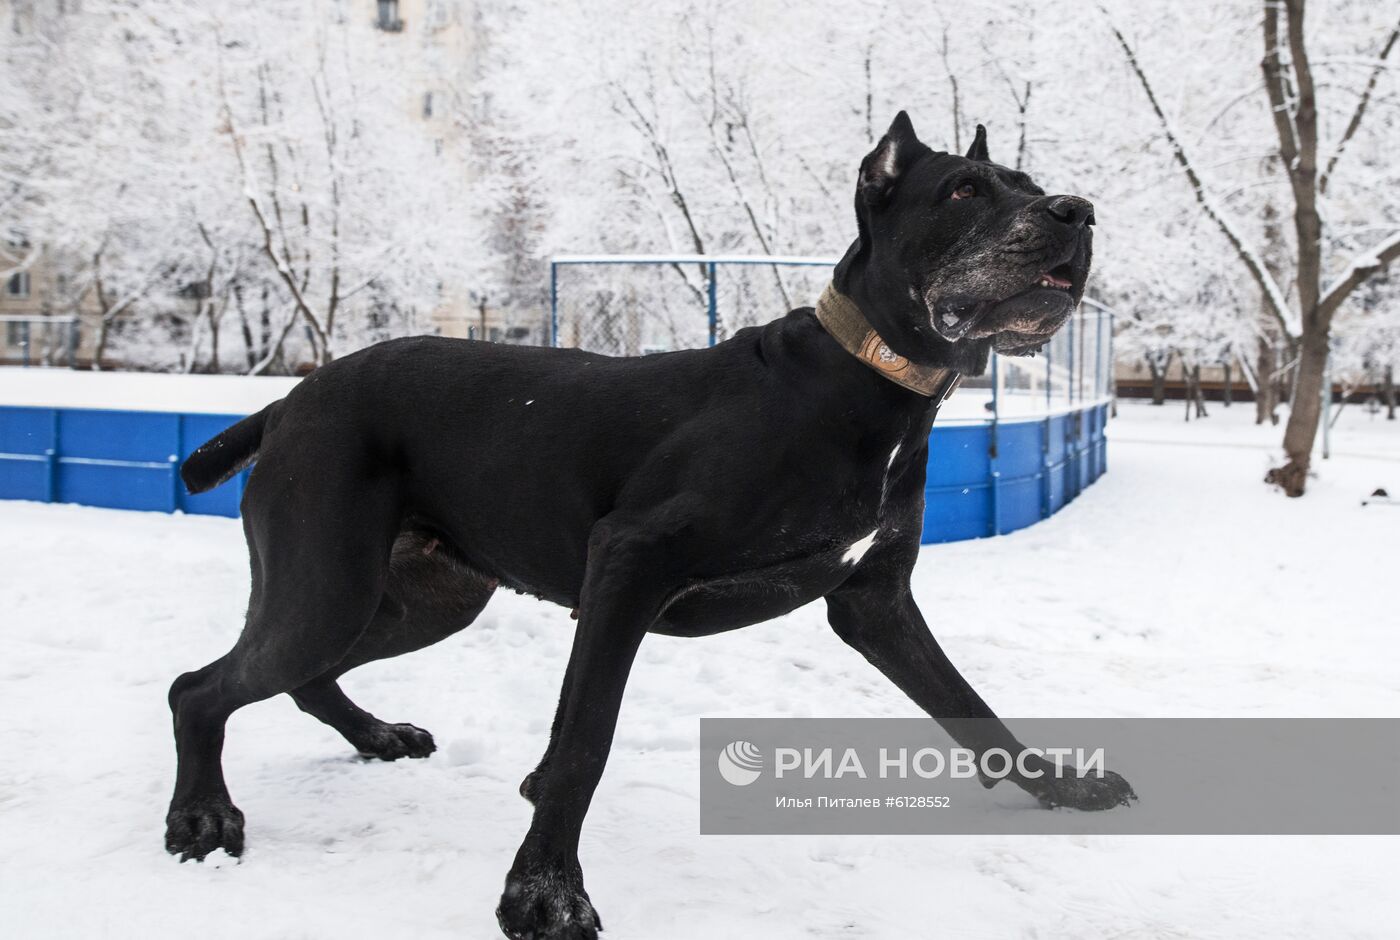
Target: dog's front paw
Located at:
point(390, 742)
point(198, 827)
point(547, 905)
point(1091, 793)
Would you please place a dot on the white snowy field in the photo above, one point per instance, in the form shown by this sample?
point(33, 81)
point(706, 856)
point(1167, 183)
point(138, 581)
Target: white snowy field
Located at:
point(1179, 585)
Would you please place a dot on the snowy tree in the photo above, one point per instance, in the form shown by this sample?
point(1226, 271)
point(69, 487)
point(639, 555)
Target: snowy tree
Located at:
point(184, 165)
point(1337, 254)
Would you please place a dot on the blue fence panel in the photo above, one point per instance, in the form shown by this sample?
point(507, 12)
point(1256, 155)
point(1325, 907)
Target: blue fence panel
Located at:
point(222, 500)
point(116, 484)
point(1019, 449)
point(956, 493)
point(958, 454)
point(1056, 464)
point(115, 459)
point(28, 430)
point(1019, 501)
point(1037, 465)
point(954, 513)
point(1100, 424)
point(28, 445)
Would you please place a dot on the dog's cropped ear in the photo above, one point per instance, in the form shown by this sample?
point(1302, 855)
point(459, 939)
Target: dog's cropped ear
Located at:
point(882, 167)
point(978, 150)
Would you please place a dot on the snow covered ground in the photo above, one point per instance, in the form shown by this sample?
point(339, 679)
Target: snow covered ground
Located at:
point(1178, 585)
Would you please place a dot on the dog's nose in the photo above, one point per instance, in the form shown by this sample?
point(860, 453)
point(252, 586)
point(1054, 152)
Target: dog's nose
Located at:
point(1071, 210)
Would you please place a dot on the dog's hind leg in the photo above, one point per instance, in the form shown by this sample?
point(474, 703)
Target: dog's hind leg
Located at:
point(303, 618)
point(324, 699)
point(431, 595)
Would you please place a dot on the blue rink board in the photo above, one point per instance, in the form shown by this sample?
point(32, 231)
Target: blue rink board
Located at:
point(983, 479)
point(116, 459)
point(986, 479)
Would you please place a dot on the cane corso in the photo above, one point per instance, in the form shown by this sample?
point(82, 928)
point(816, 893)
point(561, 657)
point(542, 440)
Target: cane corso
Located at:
point(684, 493)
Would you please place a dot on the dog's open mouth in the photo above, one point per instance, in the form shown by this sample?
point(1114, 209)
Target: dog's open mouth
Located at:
point(1022, 320)
point(1057, 278)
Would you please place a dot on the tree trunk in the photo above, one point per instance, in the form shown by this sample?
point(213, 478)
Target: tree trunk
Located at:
point(1266, 396)
point(1194, 398)
point(1228, 393)
point(1304, 417)
point(1390, 393)
point(214, 367)
point(1159, 381)
point(1286, 376)
point(99, 348)
point(246, 325)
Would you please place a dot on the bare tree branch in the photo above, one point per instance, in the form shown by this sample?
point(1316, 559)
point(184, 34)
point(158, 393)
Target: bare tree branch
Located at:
point(957, 97)
point(1361, 268)
point(1360, 111)
point(1273, 296)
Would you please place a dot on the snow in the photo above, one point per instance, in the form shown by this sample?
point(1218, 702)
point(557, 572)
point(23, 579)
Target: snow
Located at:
point(1179, 585)
point(140, 391)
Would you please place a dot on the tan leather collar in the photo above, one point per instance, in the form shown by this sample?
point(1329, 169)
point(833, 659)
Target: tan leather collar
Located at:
point(848, 326)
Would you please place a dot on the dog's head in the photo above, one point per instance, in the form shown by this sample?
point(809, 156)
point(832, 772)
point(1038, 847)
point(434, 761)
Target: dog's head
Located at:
point(959, 255)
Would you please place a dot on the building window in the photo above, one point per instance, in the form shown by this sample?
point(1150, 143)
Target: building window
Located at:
point(389, 16)
point(17, 285)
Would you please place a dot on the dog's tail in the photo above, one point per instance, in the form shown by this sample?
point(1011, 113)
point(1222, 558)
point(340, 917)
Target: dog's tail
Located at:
point(228, 452)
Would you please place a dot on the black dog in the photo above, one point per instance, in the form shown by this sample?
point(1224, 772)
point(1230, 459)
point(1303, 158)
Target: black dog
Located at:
point(687, 494)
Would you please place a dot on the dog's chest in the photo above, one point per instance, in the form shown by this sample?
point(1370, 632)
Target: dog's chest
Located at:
point(714, 605)
point(804, 560)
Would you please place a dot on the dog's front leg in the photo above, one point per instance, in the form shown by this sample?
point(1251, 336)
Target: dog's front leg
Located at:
point(623, 590)
point(876, 614)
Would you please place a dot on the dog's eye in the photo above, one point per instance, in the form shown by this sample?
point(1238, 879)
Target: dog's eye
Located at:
point(965, 191)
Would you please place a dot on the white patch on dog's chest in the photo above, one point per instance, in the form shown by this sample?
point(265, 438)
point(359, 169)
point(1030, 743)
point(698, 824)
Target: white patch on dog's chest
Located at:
point(858, 549)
